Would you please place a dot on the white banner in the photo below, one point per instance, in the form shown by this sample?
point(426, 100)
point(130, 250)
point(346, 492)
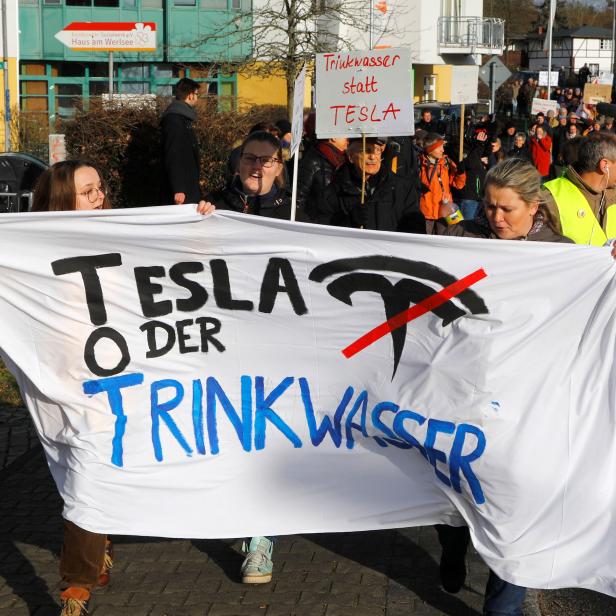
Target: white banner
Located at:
point(464, 81)
point(236, 376)
point(543, 78)
point(543, 106)
point(364, 92)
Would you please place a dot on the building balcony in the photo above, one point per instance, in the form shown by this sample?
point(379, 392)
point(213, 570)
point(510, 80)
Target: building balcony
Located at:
point(471, 35)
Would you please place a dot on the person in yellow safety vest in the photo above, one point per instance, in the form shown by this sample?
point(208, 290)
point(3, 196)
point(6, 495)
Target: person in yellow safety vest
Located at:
point(583, 200)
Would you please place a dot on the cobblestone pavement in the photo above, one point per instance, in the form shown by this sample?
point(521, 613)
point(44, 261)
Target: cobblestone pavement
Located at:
point(17, 435)
point(385, 573)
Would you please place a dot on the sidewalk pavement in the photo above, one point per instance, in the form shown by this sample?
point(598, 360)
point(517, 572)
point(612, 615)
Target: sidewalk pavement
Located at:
point(384, 573)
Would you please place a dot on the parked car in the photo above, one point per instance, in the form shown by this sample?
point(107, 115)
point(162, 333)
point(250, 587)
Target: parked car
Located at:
point(19, 173)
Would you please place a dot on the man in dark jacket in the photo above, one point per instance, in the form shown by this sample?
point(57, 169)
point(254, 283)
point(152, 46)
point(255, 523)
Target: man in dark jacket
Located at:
point(427, 123)
point(476, 166)
point(180, 148)
point(559, 139)
point(390, 201)
point(316, 170)
point(507, 137)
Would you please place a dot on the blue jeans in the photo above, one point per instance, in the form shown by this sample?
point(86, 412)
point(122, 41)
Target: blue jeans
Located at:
point(503, 598)
point(469, 208)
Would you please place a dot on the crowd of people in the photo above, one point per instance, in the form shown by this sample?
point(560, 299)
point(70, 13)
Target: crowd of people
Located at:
point(506, 186)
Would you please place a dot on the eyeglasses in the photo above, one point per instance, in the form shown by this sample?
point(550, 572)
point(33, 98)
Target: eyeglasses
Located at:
point(92, 194)
point(265, 161)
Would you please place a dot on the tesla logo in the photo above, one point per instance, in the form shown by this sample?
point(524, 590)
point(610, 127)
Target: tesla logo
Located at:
point(367, 274)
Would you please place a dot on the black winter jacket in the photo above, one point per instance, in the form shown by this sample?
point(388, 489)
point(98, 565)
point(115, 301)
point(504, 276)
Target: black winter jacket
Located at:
point(391, 202)
point(180, 153)
point(523, 153)
point(315, 173)
point(475, 173)
point(275, 204)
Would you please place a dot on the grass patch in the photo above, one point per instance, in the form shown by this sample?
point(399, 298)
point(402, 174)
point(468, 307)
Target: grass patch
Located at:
point(9, 392)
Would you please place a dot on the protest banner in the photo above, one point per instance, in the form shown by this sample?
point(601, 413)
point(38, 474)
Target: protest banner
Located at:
point(543, 78)
point(543, 106)
point(364, 93)
point(178, 367)
point(597, 93)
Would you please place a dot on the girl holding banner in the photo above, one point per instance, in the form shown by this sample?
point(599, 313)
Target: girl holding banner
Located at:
point(86, 558)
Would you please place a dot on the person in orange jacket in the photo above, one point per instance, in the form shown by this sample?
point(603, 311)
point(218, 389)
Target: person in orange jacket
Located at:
point(438, 174)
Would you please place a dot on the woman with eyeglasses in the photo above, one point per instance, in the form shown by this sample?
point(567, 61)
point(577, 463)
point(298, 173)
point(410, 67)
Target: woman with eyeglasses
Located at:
point(259, 185)
point(258, 188)
point(86, 558)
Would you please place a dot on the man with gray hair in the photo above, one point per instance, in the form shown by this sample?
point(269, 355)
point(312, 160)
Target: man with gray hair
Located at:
point(583, 200)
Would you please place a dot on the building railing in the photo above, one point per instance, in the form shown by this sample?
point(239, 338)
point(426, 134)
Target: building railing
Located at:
point(471, 32)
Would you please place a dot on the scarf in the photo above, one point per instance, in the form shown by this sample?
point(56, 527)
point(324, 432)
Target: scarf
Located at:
point(332, 154)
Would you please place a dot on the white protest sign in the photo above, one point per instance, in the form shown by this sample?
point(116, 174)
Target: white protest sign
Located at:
point(543, 106)
point(464, 80)
point(297, 124)
point(364, 92)
point(604, 78)
point(179, 367)
point(297, 130)
point(543, 78)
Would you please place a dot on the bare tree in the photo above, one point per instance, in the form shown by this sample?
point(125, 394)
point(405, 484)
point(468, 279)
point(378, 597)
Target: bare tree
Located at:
point(285, 34)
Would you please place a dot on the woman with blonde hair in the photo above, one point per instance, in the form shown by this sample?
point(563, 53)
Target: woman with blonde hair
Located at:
point(513, 208)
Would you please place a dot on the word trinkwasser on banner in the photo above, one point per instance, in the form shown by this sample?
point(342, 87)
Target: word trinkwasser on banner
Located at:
point(364, 92)
point(178, 367)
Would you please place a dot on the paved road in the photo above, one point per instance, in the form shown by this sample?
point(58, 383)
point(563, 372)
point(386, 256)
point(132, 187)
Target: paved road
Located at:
point(386, 573)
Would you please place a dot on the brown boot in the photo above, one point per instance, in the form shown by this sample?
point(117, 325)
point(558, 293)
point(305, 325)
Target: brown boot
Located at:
point(75, 601)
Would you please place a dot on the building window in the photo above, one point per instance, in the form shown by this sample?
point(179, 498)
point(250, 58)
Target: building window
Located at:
point(214, 4)
point(48, 2)
point(166, 71)
point(152, 4)
point(130, 4)
point(30, 2)
point(78, 2)
point(134, 71)
point(606, 43)
point(68, 97)
point(185, 2)
point(108, 3)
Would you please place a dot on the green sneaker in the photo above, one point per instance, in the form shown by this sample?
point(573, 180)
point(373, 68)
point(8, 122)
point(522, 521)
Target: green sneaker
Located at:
point(257, 566)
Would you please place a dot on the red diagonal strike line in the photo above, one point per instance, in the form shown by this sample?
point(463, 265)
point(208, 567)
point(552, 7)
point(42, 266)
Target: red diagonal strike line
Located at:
point(406, 316)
